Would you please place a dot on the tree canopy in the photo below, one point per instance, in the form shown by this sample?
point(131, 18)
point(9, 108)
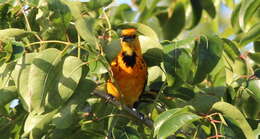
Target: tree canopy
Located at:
point(203, 58)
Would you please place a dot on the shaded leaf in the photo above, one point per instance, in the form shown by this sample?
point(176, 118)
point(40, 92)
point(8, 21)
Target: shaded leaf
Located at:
point(235, 19)
point(95, 4)
point(67, 114)
point(206, 54)
point(21, 76)
point(256, 46)
point(195, 14)
point(208, 5)
point(71, 74)
point(252, 35)
point(231, 49)
point(43, 79)
point(7, 94)
point(173, 25)
point(255, 57)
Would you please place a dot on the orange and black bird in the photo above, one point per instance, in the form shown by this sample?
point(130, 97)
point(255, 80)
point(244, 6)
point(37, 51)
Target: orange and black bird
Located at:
point(129, 70)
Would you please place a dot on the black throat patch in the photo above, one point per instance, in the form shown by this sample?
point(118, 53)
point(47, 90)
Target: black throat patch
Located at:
point(129, 60)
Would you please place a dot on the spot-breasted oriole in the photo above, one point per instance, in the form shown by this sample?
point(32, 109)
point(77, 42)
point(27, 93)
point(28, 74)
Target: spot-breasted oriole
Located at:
point(129, 69)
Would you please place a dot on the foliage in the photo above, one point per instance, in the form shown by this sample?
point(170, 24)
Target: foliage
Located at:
point(54, 53)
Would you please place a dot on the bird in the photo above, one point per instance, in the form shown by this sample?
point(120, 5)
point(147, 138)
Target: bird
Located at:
point(129, 70)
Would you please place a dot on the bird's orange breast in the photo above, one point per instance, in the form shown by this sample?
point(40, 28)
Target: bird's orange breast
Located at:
point(130, 78)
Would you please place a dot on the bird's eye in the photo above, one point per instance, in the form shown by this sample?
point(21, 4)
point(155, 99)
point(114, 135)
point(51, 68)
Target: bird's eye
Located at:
point(127, 38)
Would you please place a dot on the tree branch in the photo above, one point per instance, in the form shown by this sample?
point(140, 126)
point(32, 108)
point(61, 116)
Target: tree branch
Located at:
point(148, 122)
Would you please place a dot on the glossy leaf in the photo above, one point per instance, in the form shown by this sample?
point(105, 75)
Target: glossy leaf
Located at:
point(170, 121)
point(206, 54)
point(237, 118)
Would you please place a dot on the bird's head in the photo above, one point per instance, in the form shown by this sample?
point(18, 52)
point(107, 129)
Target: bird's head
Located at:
point(129, 41)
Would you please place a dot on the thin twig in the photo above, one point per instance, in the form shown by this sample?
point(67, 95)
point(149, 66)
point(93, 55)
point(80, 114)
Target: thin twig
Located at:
point(50, 41)
point(135, 114)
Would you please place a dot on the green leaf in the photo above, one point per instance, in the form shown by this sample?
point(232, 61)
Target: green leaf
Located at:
point(153, 74)
point(208, 5)
point(74, 7)
point(195, 14)
point(67, 115)
point(71, 74)
point(205, 105)
point(5, 74)
point(231, 49)
point(85, 27)
point(143, 29)
point(43, 79)
point(121, 13)
point(178, 63)
point(153, 57)
point(112, 49)
point(232, 113)
point(255, 57)
point(18, 51)
point(248, 8)
point(95, 64)
point(254, 87)
point(235, 19)
point(7, 94)
point(173, 26)
point(256, 46)
point(168, 122)
point(21, 76)
point(206, 54)
point(126, 133)
point(252, 35)
point(11, 32)
point(95, 4)
point(35, 125)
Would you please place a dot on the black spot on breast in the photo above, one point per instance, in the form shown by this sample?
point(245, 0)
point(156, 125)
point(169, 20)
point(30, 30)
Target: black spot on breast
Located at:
point(129, 60)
